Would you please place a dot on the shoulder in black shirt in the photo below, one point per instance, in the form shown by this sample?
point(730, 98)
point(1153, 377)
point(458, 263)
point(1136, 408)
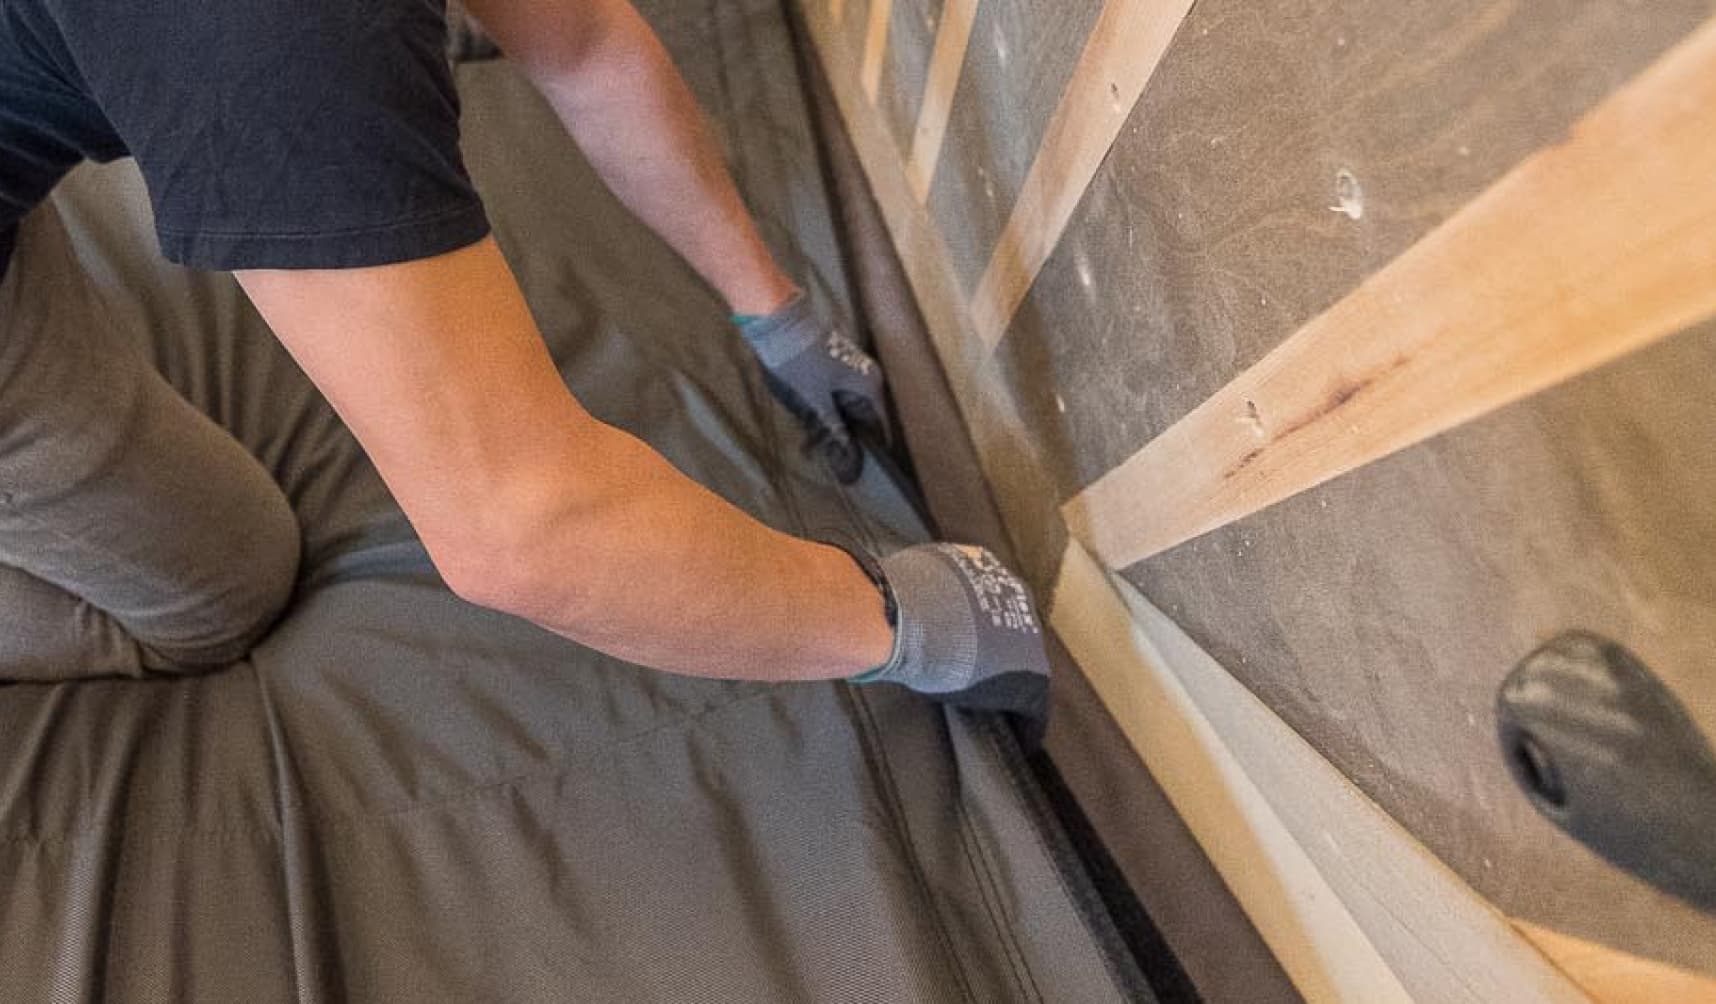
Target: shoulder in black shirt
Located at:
point(270, 133)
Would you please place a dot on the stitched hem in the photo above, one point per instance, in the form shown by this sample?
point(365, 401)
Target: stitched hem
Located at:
point(386, 244)
point(877, 759)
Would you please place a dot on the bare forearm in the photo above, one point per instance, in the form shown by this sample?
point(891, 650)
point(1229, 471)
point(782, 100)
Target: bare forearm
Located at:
point(618, 93)
point(530, 505)
point(649, 566)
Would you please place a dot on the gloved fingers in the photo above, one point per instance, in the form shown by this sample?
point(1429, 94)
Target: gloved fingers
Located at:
point(845, 457)
point(969, 632)
point(829, 439)
point(863, 411)
point(827, 435)
point(861, 398)
point(807, 414)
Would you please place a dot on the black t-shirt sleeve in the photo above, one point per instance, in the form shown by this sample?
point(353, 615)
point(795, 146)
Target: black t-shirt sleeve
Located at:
point(284, 133)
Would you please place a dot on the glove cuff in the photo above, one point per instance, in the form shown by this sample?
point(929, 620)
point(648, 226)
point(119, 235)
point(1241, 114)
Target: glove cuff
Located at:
point(780, 336)
point(890, 606)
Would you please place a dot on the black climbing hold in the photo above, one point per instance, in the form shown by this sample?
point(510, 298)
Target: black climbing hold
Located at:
point(1604, 751)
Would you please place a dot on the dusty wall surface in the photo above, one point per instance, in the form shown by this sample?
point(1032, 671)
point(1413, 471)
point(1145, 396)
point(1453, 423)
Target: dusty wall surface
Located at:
point(1278, 161)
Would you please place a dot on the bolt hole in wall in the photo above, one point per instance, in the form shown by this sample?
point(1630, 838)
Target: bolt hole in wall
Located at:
point(1535, 769)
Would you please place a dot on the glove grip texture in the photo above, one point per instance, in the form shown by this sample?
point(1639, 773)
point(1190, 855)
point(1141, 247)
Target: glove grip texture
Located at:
point(933, 634)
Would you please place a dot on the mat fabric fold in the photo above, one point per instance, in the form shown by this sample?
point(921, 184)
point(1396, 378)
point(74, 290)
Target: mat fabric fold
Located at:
point(402, 797)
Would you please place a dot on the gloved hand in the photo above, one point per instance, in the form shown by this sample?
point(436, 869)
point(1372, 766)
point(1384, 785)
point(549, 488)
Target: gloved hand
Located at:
point(823, 378)
point(966, 631)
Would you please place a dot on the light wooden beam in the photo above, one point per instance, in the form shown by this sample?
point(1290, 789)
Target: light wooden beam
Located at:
point(875, 47)
point(1616, 977)
point(837, 10)
point(991, 418)
point(1297, 888)
point(923, 251)
point(1125, 46)
point(946, 60)
point(1588, 250)
point(1317, 940)
point(1352, 905)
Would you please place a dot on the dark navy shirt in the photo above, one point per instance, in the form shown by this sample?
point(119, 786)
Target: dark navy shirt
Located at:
point(270, 133)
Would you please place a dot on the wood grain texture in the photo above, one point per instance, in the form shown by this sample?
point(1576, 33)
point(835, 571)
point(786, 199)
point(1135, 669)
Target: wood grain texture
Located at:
point(1317, 940)
point(1208, 239)
point(1378, 614)
point(1352, 905)
point(875, 46)
point(1128, 41)
point(946, 60)
point(1614, 977)
point(1585, 252)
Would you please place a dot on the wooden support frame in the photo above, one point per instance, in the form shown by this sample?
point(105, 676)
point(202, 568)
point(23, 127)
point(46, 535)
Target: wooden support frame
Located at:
point(952, 37)
point(875, 47)
point(923, 250)
point(1127, 43)
point(1616, 977)
point(1585, 252)
point(1373, 917)
point(1350, 903)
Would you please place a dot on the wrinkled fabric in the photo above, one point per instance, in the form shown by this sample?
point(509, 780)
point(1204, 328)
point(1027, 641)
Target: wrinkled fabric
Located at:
point(136, 535)
point(402, 797)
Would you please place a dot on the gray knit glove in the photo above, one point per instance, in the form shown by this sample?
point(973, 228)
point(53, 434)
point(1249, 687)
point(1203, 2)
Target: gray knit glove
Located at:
point(966, 631)
point(823, 378)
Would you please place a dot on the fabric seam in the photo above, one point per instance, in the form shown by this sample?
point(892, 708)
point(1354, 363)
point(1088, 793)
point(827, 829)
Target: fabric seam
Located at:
point(983, 869)
point(380, 228)
point(876, 755)
point(346, 817)
point(1040, 816)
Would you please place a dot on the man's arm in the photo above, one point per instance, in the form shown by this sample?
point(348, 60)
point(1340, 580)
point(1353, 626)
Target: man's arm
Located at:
point(529, 505)
point(618, 93)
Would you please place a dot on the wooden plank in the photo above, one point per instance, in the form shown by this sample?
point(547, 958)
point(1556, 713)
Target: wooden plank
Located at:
point(1243, 962)
point(1354, 907)
point(991, 418)
point(1201, 921)
point(925, 257)
point(919, 244)
point(1587, 251)
point(1315, 937)
point(875, 47)
point(1124, 49)
point(1615, 977)
point(925, 253)
point(837, 10)
point(946, 59)
point(1017, 63)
